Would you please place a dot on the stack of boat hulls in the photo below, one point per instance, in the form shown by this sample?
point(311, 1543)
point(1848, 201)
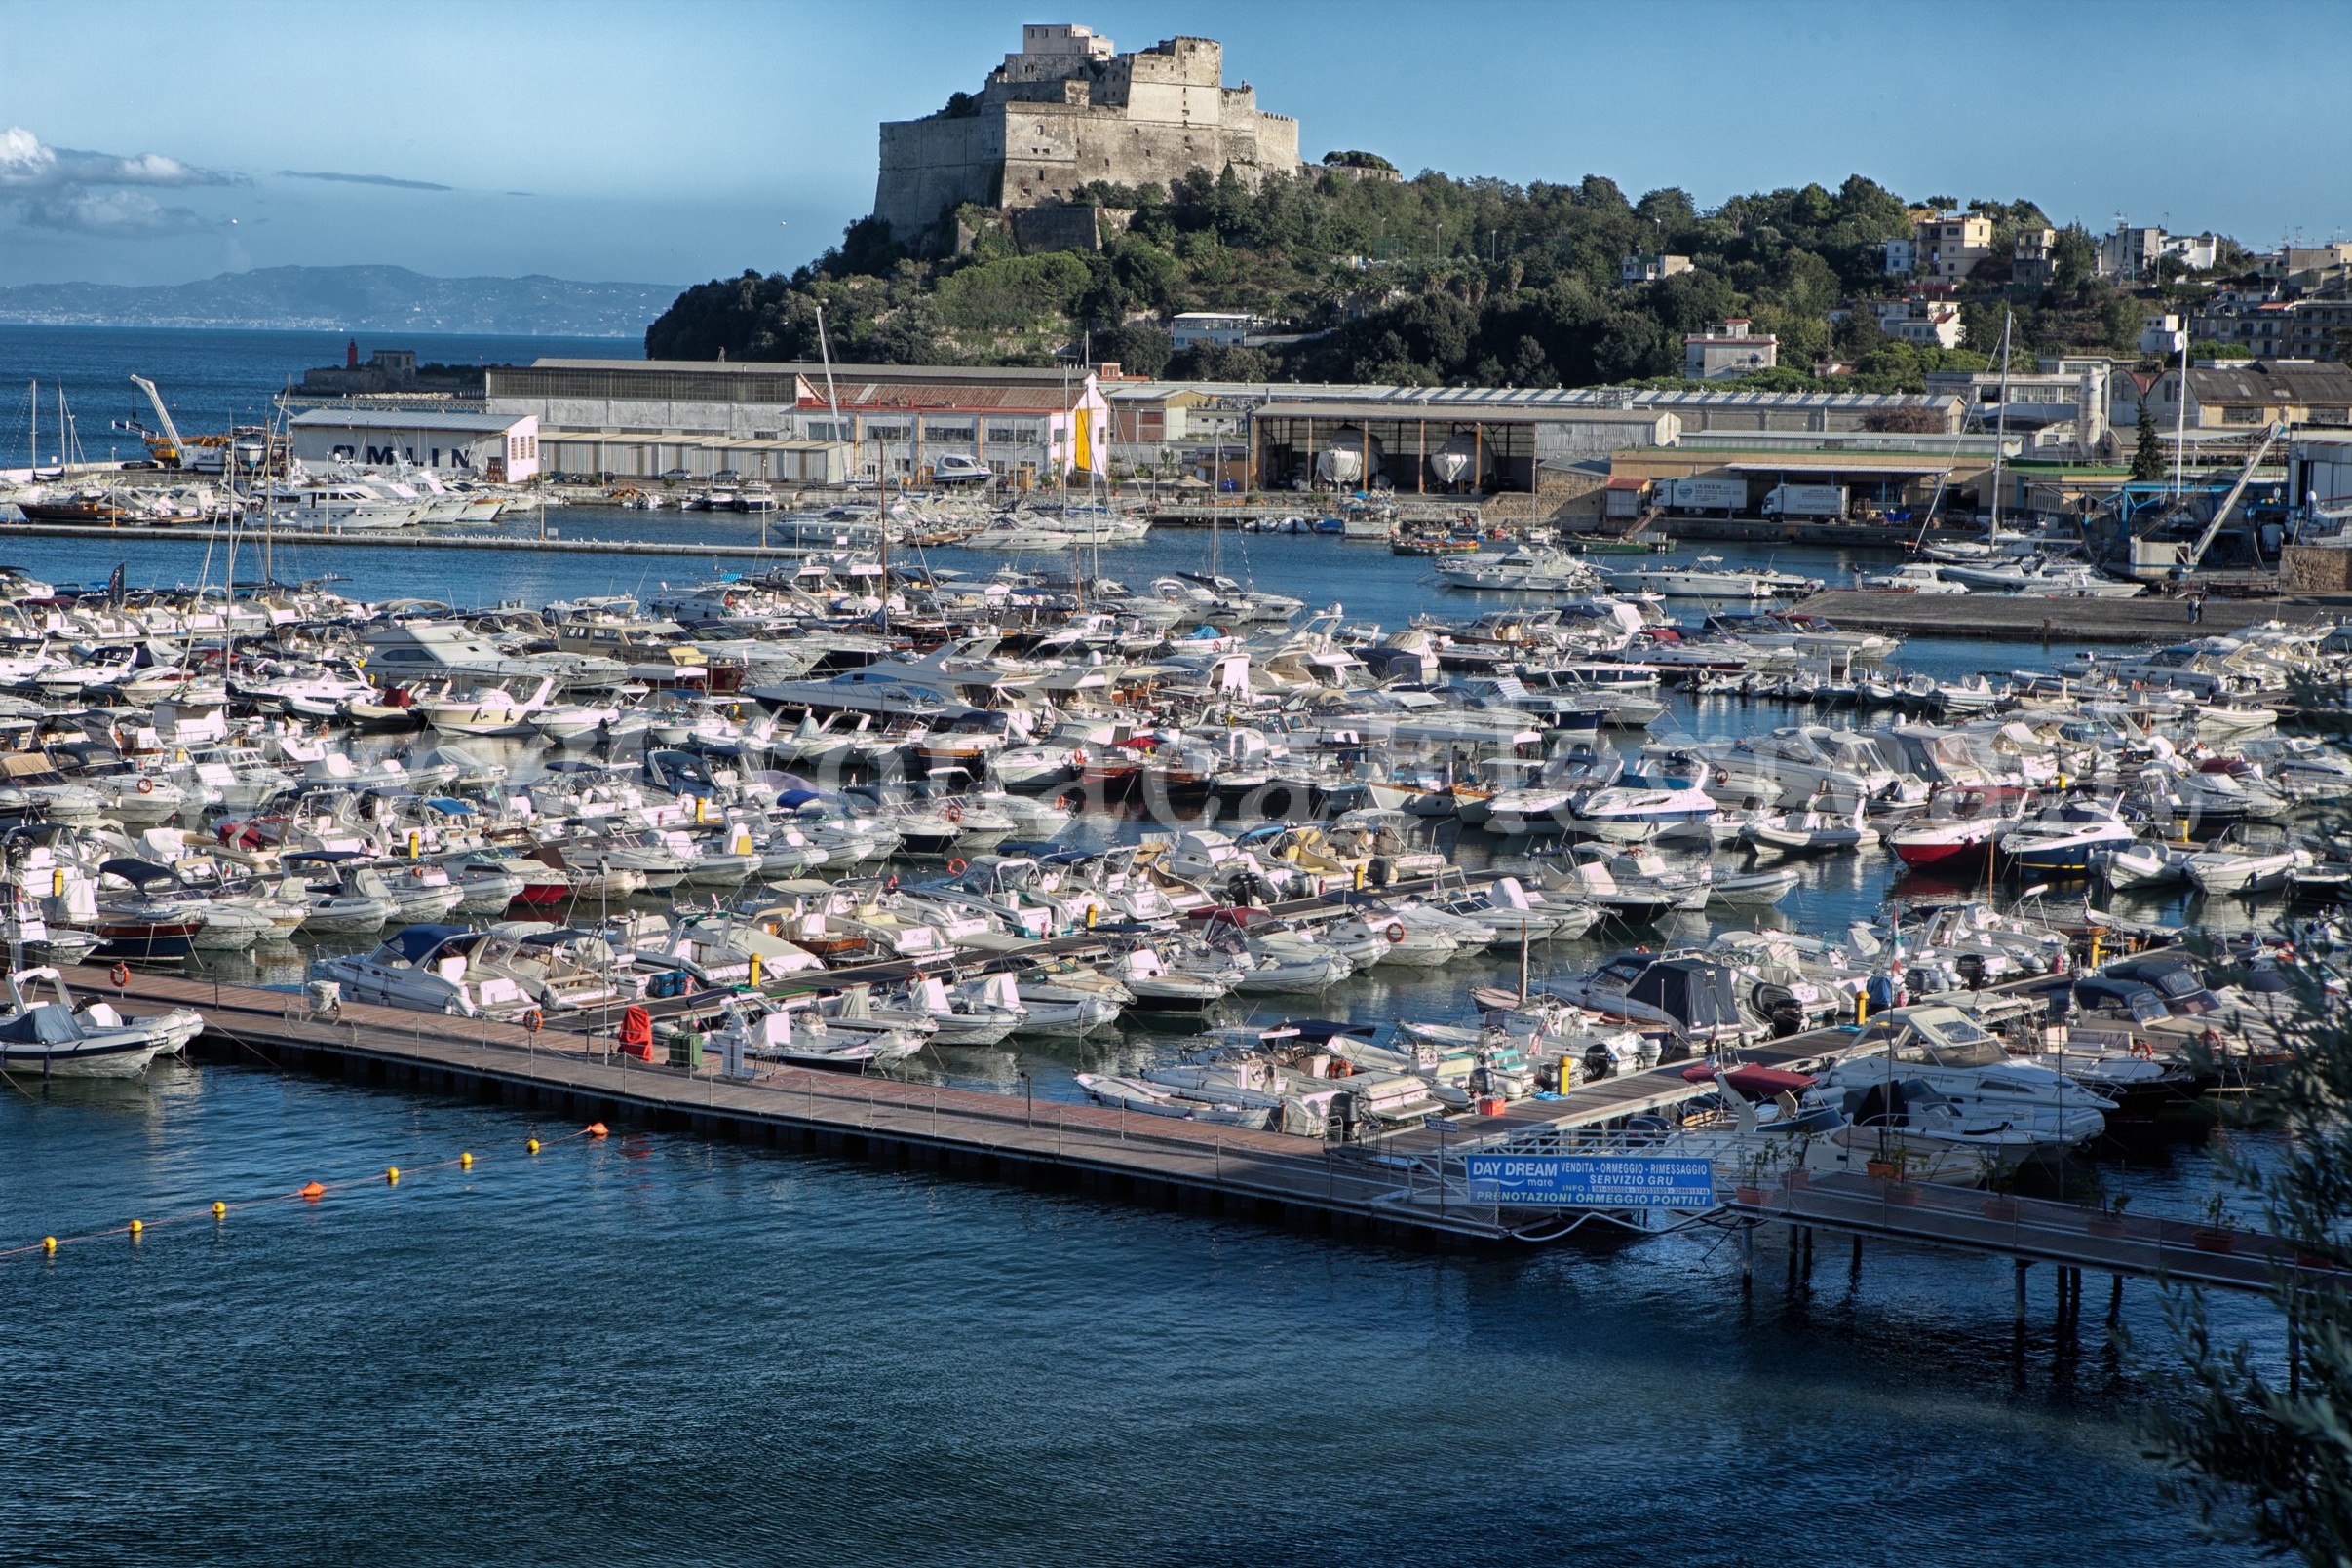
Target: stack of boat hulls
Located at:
point(1050, 806)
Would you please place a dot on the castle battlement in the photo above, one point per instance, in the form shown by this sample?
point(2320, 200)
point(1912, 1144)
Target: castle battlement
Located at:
point(1068, 110)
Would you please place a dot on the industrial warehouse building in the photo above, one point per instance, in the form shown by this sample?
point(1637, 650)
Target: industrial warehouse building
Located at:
point(1436, 448)
point(642, 418)
point(1459, 439)
point(495, 446)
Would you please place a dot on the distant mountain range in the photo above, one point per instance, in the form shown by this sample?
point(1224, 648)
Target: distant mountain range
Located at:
point(375, 299)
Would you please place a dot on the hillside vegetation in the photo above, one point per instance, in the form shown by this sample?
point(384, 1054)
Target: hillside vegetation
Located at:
point(1427, 280)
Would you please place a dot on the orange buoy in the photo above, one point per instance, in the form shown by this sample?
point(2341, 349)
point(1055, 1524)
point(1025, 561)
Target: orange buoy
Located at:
point(313, 1191)
point(597, 1130)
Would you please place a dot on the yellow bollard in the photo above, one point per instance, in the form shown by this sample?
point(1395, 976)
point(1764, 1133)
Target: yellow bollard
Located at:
point(755, 966)
point(1862, 1007)
point(465, 1162)
point(1091, 910)
point(2095, 950)
point(1359, 876)
point(220, 1211)
point(532, 1146)
point(392, 1175)
point(416, 842)
point(57, 883)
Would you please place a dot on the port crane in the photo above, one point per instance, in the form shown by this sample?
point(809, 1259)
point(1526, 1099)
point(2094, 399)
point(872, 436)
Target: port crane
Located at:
point(2205, 540)
point(166, 449)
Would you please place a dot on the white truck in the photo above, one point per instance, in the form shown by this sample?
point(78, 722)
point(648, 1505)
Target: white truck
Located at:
point(1727, 496)
point(1805, 501)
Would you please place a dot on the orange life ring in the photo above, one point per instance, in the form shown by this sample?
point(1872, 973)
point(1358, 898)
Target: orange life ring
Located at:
point(958, 867)
point(891, 886)
point(1395, 930)
point(534, 1021)
point(952, 812)
point(146, 786)
point(120, 974)
point(2143, 1051)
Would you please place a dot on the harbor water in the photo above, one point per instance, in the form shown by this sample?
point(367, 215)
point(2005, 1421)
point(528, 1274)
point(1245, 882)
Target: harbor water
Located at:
point(661, 1346)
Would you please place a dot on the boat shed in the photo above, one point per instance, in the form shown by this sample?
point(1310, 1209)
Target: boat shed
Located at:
point(1437, 445)
point(1888, 472)
point(499, 447)
point(642, 418)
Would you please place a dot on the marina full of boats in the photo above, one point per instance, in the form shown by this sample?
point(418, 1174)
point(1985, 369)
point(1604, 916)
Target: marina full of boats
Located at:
point(895, 818)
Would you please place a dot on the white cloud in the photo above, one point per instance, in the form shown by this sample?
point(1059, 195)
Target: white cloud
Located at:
point(23, 160)
point(89, 193)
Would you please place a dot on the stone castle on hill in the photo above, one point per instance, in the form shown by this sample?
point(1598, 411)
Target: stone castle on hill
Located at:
point(1066, 111)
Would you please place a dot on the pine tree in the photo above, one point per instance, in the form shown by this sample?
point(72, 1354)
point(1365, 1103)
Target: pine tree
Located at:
point(2147, 455)
point(2266, 1458)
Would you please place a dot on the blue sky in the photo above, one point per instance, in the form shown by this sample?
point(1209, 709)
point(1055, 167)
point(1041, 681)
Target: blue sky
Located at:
point(671, 143)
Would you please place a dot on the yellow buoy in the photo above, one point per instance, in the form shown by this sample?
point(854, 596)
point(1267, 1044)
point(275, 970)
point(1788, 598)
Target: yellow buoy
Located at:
point(392, 1174)
point(49, 1244)
point(220, 1211)
point(533, 1146)
point(465, 1162)
point(137, 1227)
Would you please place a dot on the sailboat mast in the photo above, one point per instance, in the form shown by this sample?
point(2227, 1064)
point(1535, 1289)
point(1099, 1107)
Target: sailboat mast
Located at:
point(2181, 422)
point(833, 398)
point(2000, 428)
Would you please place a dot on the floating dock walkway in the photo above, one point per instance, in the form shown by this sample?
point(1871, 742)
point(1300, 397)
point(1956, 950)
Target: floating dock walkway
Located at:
point(1406, 1188)
point(2001, 618)
point(404, 538)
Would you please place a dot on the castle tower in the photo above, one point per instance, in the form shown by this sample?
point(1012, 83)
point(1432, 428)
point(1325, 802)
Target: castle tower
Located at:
point(1068, 110)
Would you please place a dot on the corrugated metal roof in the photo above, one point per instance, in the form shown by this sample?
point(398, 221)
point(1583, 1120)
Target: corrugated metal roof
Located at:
point(1825, 462)
point(1469, 412)
point(949, 396)
point(398, 419)
point(1538, 396)
point(864, 372)
point(2271, 383)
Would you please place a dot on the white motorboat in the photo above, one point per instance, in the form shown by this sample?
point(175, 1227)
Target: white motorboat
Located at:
point(58, 1037)
point(426, 968)
point(1809, 832)
point(1952, 1054)
point(802, 1037)
point(2143, 863)
point(1708, 578)
point(1159, 1099)
point(1914, 577)
point(2250, 858)
point(2043, 578)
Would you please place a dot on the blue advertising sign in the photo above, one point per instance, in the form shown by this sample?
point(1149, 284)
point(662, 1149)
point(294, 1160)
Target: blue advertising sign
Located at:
point(1591, 1180)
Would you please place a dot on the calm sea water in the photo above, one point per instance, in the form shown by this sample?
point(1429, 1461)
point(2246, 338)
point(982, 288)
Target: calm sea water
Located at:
point(665, 1347)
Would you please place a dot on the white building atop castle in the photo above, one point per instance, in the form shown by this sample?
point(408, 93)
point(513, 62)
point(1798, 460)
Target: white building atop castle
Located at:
point(1069, 111)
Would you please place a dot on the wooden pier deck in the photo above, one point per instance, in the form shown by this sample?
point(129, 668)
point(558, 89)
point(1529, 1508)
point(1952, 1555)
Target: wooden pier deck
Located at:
point(418, 538)
point(2000, 618)
point(1266, 1176)
point(1406, 1188)
point(2031, 1230)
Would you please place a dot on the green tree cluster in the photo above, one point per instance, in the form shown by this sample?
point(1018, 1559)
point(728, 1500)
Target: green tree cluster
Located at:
point(1430, 280)
point(2264, 1450)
